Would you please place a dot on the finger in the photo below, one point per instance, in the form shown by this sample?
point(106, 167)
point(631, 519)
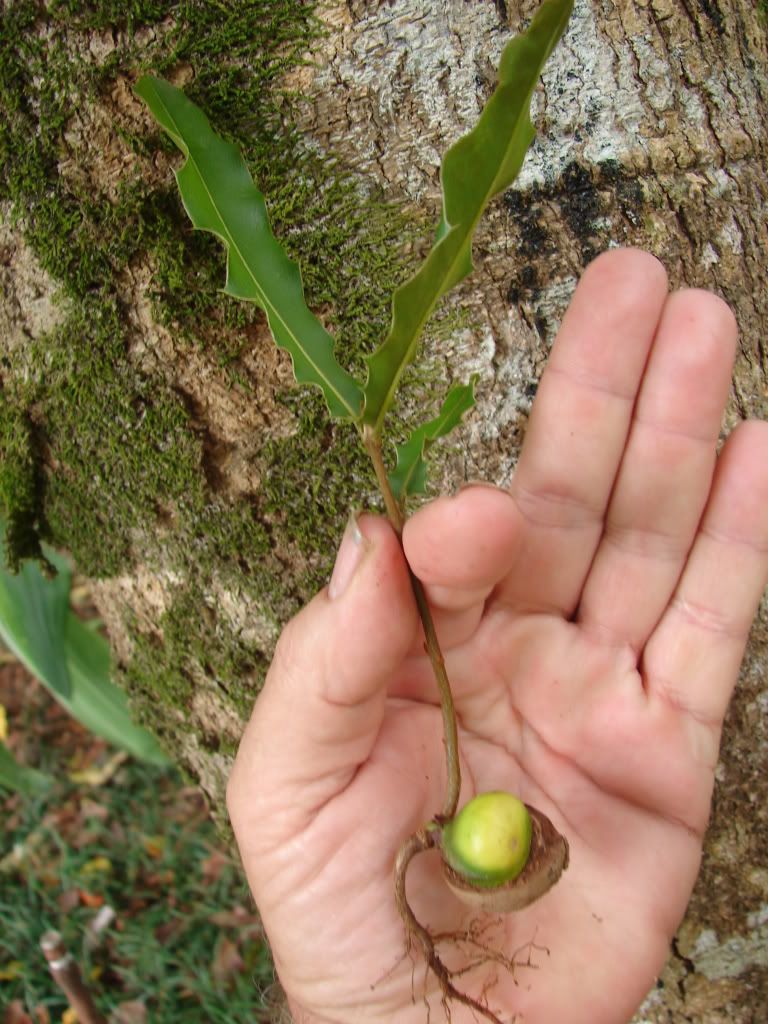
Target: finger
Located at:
point(692, 659)
point(579, 425)
point(460, 548)
point(321, 708)
point(666, 472)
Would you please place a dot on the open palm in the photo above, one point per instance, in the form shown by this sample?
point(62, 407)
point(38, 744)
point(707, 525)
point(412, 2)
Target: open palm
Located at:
point(593, 620)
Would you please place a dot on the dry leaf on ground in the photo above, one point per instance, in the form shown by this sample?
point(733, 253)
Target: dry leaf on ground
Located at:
point(226, 961)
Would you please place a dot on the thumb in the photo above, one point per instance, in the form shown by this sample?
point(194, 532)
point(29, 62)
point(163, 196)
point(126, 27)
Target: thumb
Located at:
point(318, 716)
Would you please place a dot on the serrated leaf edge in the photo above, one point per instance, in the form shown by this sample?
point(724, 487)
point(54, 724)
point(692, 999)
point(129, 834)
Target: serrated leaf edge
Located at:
point(229, 243)
point(374, 412)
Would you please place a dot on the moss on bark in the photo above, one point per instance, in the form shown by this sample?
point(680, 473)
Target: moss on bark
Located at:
point(104, 452)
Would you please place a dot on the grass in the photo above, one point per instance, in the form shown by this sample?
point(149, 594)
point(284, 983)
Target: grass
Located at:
point(184, 942)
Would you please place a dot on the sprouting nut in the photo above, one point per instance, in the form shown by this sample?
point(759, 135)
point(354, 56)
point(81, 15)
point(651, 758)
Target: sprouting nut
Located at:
point(500, 854)
point(489, 840)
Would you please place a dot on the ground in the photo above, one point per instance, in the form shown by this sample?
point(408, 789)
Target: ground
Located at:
point(124, 861)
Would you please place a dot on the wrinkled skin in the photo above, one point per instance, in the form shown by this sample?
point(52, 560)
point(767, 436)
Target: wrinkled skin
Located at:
point(593, 620)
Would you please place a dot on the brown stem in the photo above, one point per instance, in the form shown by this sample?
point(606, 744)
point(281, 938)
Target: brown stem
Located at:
point(67, 976)
point(426, 838)
point(450, 731)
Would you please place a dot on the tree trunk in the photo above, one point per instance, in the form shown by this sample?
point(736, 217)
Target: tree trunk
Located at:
point(154, 425)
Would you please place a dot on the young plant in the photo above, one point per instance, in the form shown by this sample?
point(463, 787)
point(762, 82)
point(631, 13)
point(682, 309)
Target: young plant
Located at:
point(498, 854)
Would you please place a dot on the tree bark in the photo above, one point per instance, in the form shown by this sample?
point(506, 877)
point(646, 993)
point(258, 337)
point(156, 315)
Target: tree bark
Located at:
point(652, 132)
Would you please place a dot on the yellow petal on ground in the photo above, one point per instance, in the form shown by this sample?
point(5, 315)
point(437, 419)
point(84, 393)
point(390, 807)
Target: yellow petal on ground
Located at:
point(69, 1016)
point(100, 775)
point(22, 853)
point(95, 866)
point(3, 724)
point(12, 970)
point(154, 846)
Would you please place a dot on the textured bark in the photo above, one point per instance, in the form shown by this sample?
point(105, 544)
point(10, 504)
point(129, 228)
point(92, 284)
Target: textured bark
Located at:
point(652, 132)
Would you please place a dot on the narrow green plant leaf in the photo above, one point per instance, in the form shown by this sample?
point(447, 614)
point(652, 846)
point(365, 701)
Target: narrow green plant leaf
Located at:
point(478, 167)
point(220, 196)
point(96, 702)
point(18, 777)
point(70, 659)
point(33, 619)
point(410, 474)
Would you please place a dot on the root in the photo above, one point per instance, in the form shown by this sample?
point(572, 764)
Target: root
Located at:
point(472, 942)
point(472, 937)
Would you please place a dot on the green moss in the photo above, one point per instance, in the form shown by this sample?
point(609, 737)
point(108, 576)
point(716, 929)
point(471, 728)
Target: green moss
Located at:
point(153, 677)
point(118, 471)
point(46, 78)
point(120, 444)
point(165, 670)
point(128, 14)
point(38, 80)
point(340, 478)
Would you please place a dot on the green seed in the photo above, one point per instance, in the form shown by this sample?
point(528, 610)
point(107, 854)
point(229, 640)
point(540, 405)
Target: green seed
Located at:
point(490, 839)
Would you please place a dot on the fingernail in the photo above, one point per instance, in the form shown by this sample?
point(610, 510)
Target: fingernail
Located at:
point(353, 546)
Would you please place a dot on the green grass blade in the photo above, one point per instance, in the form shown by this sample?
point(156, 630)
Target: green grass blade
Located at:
point(410, 474)
point(478, 167)
point(19, 778)
point(96, 702)
point(33, 619)
point(221, 197)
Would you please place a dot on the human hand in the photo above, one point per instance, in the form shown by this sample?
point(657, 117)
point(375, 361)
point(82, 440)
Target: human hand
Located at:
point(593, 620)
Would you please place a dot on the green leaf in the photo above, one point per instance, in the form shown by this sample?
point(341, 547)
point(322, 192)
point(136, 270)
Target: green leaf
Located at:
point(19, 778)
point(37, 624)
point(220, 196)
point(96, 701)
point(478, 167)
point(410, 474)
point(33, 619)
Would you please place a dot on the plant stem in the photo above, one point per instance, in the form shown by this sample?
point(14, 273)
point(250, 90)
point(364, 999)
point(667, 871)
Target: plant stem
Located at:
point(397, 519)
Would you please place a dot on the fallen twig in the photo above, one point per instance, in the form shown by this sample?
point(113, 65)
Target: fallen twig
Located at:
point(67, 976)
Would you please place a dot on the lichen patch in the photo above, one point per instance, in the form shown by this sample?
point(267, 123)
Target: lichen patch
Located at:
point(147, 593)
point(215, 718)
point(211, 769)
point(251, 624)
point(98, 156)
